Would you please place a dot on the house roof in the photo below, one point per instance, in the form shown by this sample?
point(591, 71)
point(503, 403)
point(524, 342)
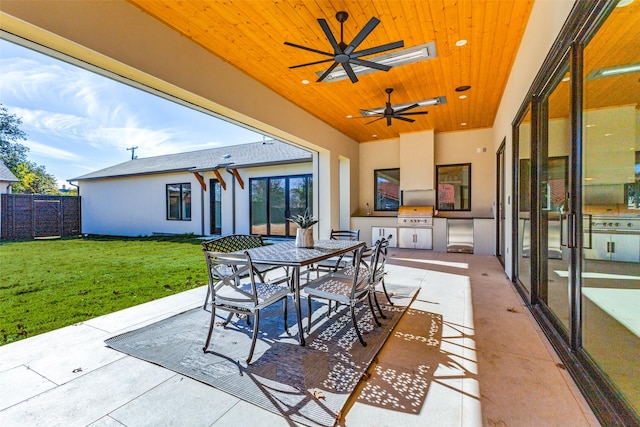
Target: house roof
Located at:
point(255, 154)
point(6, 175)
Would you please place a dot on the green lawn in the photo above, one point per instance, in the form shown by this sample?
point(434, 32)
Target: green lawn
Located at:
point(48, 284)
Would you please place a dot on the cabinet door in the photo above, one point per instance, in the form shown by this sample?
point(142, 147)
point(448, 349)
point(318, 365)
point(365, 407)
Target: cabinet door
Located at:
point(599, 244)
point(626, 248)
point(424, 238)
point(380, 232)
point(406, 238)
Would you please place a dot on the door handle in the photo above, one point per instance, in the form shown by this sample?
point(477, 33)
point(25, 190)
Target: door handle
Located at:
point(613, 247)
point(589, 219)
point(562, 218)
point(571, 230)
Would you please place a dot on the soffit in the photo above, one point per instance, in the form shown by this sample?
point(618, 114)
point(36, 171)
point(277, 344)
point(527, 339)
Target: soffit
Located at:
point(250, 35)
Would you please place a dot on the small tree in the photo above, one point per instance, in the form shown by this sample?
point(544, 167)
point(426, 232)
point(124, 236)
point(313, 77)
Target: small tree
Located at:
point(33, 177)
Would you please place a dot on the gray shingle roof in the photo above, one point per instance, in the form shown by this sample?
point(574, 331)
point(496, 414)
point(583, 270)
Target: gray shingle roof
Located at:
point(6, 175)
point(241, 156)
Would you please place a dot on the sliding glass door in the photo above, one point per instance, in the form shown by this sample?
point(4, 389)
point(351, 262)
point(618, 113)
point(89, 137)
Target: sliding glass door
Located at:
point(274, 199)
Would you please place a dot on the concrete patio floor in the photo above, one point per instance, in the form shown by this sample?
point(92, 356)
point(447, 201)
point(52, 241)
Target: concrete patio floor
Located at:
point(488, 364)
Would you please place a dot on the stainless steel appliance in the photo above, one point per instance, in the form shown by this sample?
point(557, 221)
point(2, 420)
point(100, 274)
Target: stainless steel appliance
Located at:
point(612, 238)
point(460, 235)
point(415, 227)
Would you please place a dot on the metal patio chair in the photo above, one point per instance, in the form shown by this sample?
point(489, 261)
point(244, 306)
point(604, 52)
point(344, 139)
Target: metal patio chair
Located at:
point(230, 291)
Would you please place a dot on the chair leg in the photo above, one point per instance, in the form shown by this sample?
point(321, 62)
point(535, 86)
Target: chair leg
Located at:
point(226, 322)
point(286, 327)
point(309, 318)
point(206, 300)
point(384, 288)
point(256, 321)
point(213, 320)
point(375, 298)
point(355, 325)
point(373, 312)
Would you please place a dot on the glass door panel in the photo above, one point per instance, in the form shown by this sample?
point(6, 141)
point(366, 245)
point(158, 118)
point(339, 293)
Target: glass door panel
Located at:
point(259, 206)
point(523, 251)
point(554, 186)
point(277, 207)
point(215, 206)
point(611, 176)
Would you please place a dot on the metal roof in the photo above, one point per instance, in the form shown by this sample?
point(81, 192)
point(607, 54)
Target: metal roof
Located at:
point(270, 152)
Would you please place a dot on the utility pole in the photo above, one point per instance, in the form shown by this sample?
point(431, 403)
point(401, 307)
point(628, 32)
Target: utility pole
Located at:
point(133, 151)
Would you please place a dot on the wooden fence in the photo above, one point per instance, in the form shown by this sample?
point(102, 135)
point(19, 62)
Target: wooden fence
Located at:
point(32, 216)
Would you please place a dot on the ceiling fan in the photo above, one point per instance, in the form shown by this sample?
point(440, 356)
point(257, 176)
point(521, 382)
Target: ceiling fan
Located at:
point(389, 113)
point(346, 55)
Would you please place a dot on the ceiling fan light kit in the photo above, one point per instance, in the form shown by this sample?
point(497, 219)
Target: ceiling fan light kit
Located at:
point(344, 54)
point(390, 113)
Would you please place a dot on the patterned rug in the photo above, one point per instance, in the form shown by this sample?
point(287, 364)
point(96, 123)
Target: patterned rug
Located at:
point(308, 385)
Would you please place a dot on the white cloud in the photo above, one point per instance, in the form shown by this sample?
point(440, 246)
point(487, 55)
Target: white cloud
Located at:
point(48, 151)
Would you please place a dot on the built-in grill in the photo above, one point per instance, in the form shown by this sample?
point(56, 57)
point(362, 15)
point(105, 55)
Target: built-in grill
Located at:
point(415, 227)
point(415, 216)
point(604, 223)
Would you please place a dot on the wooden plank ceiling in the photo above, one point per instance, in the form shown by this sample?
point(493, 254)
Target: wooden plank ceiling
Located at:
point(250, 35)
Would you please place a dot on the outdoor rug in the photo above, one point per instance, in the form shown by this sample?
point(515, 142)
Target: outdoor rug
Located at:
point(308, 385)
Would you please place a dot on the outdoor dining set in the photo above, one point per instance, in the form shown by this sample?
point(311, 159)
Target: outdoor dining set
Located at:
point(246, 276)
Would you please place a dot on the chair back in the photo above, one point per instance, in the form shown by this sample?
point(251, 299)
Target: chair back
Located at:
point(379, 260)
point(345, 235)
point(361, 276)
point(233, 243)
point(226, 270)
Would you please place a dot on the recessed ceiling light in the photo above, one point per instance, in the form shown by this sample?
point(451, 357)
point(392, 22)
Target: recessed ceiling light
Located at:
point(462, 96)
point(608, 134)
point(623, 3)
point(461, 42)
point(462, 88)
point(463, 123)
point(566, 79)
point(349, 116)
point(375, 136)
point(589, 126)
point(305, 82)
point(588, 179)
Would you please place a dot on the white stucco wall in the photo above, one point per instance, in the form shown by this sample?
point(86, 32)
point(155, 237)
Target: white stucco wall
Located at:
point(136, 206)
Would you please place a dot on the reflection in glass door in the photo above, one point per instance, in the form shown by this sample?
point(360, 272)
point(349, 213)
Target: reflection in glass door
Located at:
point(554, 151)
point(523, 251)
point(610, 183)
point(277, 207)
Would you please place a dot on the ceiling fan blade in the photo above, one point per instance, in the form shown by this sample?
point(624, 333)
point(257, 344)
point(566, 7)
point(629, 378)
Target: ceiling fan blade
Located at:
point(370, 64)
point(326, 73)
point(414, 113)
point(373, 23)
point(311, 63)
point(401, 110)
point(379, 118)
point(388, 120)
point(329, 34)
point(350, 73)
point(309, 49)
point(403, 118)
point(378, 49)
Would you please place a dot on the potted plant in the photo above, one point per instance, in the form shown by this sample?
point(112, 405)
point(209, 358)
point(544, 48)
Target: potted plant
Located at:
point(304, 233)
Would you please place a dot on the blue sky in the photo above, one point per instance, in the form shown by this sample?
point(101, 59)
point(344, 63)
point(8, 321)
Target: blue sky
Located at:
point(78, 122)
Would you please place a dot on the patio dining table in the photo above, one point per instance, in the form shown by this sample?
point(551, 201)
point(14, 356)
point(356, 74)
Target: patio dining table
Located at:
point(286, 254)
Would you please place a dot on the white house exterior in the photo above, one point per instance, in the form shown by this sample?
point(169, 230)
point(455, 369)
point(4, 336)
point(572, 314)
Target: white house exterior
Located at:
point(131, 199)
point(6, 179)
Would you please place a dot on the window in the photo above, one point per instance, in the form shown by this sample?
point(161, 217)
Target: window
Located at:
point(274, 199)
point(453, 183)
point(386, 189)
point(179, 202)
